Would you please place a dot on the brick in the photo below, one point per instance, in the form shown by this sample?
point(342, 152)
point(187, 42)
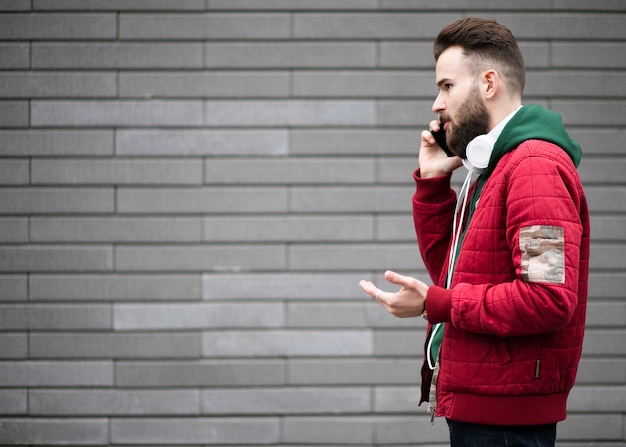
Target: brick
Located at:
point(220, 373)
point(588, 139)
point(605, 342)
point(114, 345)
point(290, 113)
point(111, 287)
point(14, 114)
point(301, 170)
point(56, 316)
point(51, 85)
point(596, 112)
point(359, 141)
point(405, 113)
point(14, 55)
point(196, 316)
point(579, 84)
point(557, 25)
point(282, 286)
point(606, 314)
point(460, 4)
point(35, 26)
point(290, 55)
point(399, 171)
point(13, 402)
point(607, 285)
point(13, 230)
point(395, 228)
point(325, 199)
point(603, 199)
point(14, 172)
point(603, 171)
point(56, 200)
point(205, 84)
point(116, 55)
point(390, 371)
point(202, 142)
point(607, 255)
point(380, 25)
point(115, 229)
point(288, 343)
point(196, 431)
point(202, 200)
point(588, 55)
point(399, 343)
point(364, 314)
point(35, 258)
point(394, 399)
point(13, 345)
point(14, 5)
point(200, 258)
point(328, 430)
point(293, 400)
point(116, 171)
point(410, 430)
point(288, 228)
point(54, 431)
point(573, 5)
point(363, 84)
point(116, 113)
point(204, 26)
point(118, 5)
point(35, 142)
point(592, 427)
point(596, 399)
point(408, 54)
point(97, 402)
point(293, 4)
point(13, 288)
point(56, 373)
point(601, 370)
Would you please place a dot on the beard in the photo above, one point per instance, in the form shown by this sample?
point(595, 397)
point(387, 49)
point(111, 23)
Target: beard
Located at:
point(472, 119)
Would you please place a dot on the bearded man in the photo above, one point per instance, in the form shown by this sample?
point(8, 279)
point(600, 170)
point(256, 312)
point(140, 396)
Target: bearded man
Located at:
point(508, 256)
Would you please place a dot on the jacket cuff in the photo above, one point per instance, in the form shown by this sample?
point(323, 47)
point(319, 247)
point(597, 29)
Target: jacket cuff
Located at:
point(431, 190)
point(439, 305)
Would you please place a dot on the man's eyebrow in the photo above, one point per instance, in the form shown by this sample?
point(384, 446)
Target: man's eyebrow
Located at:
point(442, 81)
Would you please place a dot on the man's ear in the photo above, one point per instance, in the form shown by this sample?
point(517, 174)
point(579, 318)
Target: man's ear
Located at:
point(491, 83)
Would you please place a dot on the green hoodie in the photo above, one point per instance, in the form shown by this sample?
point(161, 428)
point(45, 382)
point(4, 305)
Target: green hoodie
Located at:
point(533, 122)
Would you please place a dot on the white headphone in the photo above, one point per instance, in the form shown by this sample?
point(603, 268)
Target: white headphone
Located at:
point(479, 151)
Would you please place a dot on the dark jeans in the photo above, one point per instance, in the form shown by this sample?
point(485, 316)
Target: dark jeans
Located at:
point(463, 434)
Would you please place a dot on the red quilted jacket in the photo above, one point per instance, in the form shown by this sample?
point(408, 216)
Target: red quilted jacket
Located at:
point(515, 312)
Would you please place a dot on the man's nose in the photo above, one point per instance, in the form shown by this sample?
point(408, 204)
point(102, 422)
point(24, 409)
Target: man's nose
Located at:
point(438, 105)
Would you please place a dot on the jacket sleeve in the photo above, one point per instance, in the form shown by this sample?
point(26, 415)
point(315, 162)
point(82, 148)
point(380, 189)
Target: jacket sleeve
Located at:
point(543, 231)
point(433, 210)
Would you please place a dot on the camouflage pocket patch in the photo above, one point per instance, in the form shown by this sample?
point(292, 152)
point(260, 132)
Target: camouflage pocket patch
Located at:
point(543, 256)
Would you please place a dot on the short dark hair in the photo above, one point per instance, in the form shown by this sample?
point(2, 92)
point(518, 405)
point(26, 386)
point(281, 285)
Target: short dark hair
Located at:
point(484, 42)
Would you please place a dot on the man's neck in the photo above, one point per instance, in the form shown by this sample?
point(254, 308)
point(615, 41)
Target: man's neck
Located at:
point(501, 111)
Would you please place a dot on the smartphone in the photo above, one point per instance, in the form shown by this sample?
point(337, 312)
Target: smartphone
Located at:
point(440, 138)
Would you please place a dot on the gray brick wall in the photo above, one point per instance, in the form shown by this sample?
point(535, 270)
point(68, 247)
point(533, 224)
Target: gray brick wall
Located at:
point(190, 191)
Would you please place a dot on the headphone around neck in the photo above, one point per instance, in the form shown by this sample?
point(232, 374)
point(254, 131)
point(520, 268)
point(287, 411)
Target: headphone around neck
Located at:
point(478, 152)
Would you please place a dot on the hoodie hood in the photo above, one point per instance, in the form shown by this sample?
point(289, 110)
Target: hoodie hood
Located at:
point(533, 122)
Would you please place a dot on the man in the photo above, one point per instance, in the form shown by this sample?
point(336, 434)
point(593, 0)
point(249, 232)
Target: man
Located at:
point(508, 258)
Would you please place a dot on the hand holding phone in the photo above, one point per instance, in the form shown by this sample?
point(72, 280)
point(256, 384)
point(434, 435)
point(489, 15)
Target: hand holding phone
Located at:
point(440, 138)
